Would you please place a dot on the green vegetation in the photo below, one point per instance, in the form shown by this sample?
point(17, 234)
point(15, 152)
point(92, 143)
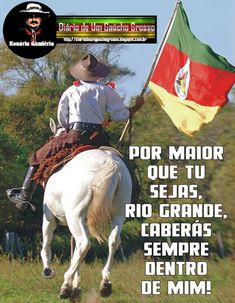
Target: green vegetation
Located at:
point(23, 283)
point(24, 116)
point(153, 127)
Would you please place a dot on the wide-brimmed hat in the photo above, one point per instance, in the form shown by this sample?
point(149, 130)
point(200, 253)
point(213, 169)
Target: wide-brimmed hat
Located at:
point(34, 8)
point(89, 69)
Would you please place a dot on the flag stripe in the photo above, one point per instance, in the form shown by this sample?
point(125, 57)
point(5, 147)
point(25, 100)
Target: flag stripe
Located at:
point(180, 36)
point(187, 115)
point(208, 86)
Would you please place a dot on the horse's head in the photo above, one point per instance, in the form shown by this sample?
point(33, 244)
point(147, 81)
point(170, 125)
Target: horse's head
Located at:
point(56, 130)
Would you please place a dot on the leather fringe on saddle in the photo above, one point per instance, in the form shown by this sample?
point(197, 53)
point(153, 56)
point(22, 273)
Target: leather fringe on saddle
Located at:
point(52, 164)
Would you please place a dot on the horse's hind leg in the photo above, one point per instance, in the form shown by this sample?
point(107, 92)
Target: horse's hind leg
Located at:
point(48, 228)
point(71, 286)
point(114, 241)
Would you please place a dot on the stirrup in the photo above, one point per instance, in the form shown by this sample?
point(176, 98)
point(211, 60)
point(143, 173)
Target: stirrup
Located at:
point(23, 205)
point(14, 195)
point(13, 191)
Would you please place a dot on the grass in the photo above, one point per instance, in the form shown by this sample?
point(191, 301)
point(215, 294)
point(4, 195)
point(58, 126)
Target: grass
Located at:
point(22, 283)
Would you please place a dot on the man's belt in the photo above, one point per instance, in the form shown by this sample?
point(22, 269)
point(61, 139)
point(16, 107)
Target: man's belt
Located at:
point(85, 127)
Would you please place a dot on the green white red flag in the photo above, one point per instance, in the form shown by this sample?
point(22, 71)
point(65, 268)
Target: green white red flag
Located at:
point(190, 81)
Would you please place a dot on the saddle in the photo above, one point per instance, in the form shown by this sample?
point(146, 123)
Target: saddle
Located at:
point(53, 163)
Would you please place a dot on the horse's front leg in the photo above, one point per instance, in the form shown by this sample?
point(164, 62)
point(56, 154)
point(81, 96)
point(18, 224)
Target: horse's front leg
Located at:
point(71, 285)
point(48, 228)
point(114, 241)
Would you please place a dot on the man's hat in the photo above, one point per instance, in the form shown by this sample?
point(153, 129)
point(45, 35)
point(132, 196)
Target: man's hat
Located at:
point(34, 8)
point(89, 69)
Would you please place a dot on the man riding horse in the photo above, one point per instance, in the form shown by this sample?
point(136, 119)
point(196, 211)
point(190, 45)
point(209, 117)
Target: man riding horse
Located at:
point(81, 112)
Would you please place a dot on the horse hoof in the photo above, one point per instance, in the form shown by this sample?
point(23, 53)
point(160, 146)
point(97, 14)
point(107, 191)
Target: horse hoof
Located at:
point(76, 293)
point(48, 273)
point(106, 289)
point(65, 293)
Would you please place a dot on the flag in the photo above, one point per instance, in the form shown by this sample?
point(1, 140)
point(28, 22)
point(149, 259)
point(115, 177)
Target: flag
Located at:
point(189, 80)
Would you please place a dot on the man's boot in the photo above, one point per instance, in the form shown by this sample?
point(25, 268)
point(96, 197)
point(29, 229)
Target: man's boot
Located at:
point(21, 197)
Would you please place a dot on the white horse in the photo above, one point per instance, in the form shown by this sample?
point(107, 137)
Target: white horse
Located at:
point(87, 194)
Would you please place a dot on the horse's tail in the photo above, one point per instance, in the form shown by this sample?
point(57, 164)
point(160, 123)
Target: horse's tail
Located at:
point(104, 186)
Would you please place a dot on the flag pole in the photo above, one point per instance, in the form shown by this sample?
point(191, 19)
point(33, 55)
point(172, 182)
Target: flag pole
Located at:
point(156, 57)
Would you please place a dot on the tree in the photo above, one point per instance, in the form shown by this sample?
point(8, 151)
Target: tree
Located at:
point(38, 85)
point(53, 69)
point(11, 163)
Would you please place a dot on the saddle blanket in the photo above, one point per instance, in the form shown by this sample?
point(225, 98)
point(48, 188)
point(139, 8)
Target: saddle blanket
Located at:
point(55, 162)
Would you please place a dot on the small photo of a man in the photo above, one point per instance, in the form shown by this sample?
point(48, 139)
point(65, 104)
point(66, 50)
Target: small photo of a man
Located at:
point(35, 23)
point(30, 30)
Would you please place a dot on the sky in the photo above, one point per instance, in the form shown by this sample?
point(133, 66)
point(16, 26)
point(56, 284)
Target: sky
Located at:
point(211, 21)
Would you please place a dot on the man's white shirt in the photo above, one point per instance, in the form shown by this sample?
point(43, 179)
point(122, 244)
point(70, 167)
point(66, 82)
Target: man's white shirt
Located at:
point(88, 102)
